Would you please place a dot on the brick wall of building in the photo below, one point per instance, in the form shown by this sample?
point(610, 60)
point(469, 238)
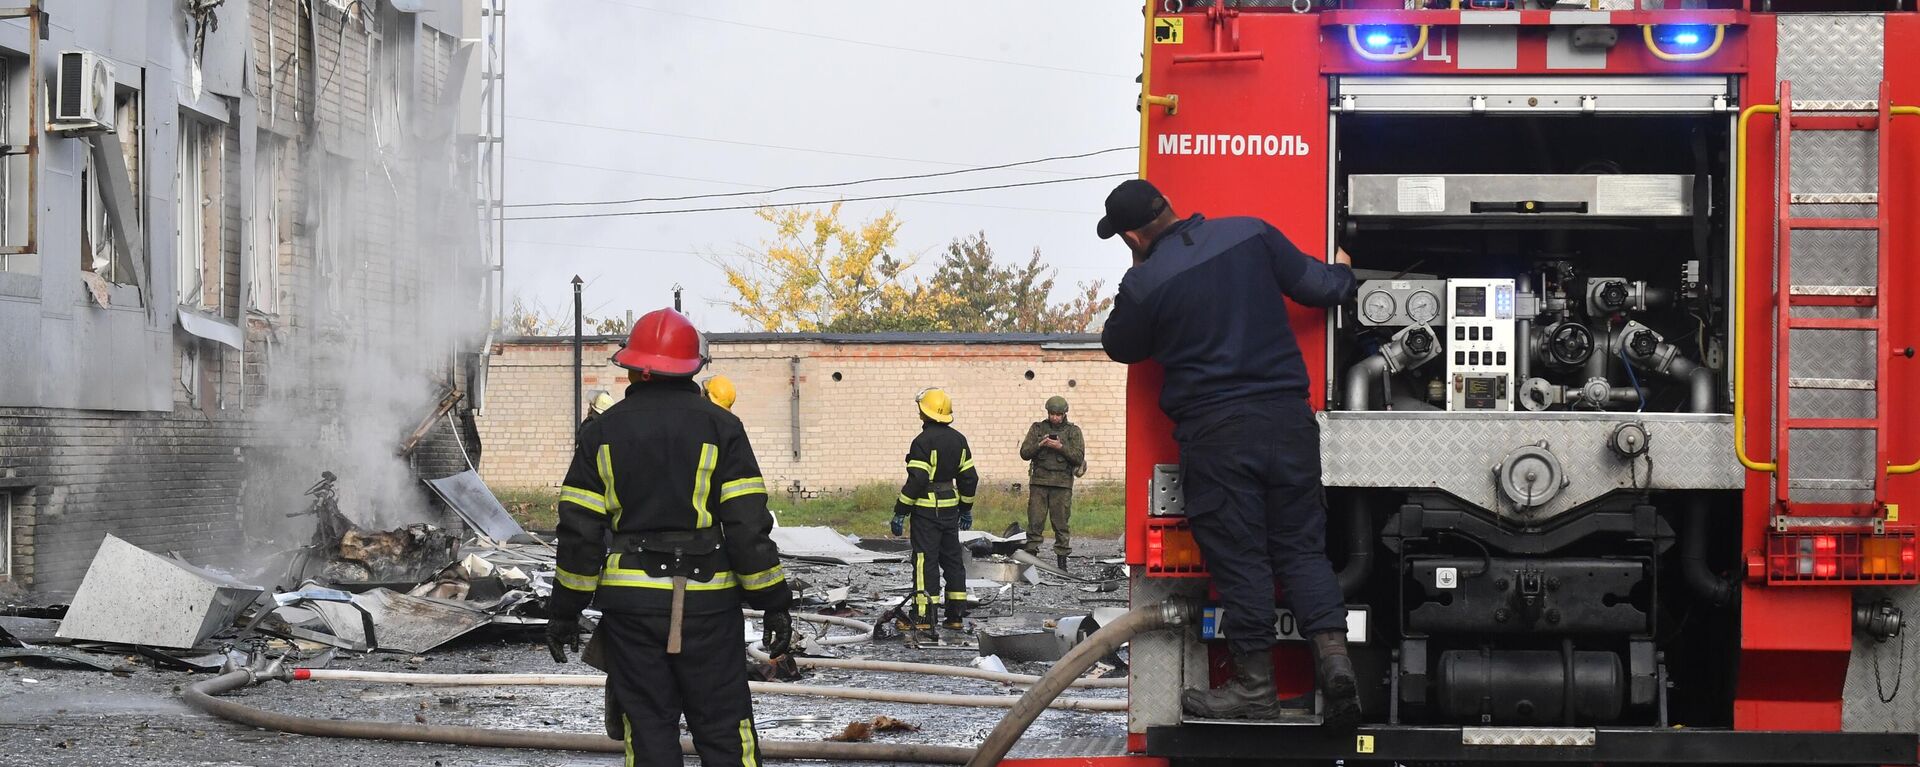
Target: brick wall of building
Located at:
point(853, 428)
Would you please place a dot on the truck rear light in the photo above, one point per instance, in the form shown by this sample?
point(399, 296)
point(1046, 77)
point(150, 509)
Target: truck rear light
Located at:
point(1171, 549)
point(1835, 558)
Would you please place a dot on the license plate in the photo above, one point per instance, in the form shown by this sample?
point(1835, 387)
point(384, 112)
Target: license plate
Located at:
point(1286, 628)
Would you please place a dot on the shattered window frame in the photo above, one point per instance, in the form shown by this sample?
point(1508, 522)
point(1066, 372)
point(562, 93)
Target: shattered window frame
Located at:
point(100, 253)
point(201, 167)
point(269, 165)
point(9, 262)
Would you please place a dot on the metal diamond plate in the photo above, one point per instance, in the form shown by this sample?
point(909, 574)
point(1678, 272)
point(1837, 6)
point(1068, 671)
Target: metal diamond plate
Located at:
point(1053, 748)
point(1832, 57)
point(1835, 257)
point(1858, 291)
point(1159, 659)
point(1836, 162)
point(1848, 105)
point(1830, 455)
point(1831, 210)
point(1563, 737)
point(1857, 384)
point(1857, 198)
point(1862, 709)
point(1833, 354)
point(1830, 403)
point(1457, 453)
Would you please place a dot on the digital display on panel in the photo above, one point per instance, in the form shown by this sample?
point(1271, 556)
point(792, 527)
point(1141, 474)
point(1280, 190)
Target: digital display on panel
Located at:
point(1470, 302)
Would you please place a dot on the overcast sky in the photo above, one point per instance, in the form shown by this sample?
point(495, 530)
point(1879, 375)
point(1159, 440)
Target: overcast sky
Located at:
point(617, 99)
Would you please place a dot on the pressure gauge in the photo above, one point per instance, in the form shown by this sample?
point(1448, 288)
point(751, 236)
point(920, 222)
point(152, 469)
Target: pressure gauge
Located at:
point(1423, 307)
point(1377, 307)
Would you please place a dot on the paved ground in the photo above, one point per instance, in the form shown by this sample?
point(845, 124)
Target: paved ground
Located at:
point(71, 717)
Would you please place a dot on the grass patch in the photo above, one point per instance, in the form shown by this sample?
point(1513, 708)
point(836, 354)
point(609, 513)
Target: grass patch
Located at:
point(535, 508)
point(1099, 510)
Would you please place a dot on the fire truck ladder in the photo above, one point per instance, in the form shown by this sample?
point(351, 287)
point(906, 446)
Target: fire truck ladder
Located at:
point(1801, 499)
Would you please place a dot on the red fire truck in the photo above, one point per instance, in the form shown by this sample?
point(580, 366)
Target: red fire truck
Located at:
point(1615, 436)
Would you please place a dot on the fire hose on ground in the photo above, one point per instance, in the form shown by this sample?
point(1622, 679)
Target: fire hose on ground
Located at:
point(763, 688)
point(1076, 662)
point(202, 696)
point(1024, 710)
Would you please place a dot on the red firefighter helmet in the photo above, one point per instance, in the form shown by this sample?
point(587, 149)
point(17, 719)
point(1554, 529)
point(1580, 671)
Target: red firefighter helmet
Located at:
point(664, 343)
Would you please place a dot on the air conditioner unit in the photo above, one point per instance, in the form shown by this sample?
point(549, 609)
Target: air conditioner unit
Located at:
point(83, 94)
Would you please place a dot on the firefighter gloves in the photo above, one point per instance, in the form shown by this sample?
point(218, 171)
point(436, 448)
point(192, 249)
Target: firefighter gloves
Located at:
point(777, 633)
point(562, 633)
point(898, 525)
point(966, 519)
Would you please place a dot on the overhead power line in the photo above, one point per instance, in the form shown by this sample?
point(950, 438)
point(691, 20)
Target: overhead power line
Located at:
point(763, 187)
point(870, 44)
point(855, 182)
point(903, 195)
point(731, 142)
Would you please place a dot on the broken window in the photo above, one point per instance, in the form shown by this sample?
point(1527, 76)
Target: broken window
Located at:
point(264, 292)
point(100, 252)
point(198, 264)
point(13, 168)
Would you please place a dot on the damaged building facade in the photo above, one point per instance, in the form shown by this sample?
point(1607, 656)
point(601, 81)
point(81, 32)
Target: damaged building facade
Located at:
point(240, 246)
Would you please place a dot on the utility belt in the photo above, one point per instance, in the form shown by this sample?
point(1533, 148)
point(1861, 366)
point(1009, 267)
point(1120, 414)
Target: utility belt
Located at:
point(692, 554)
point(942, 486)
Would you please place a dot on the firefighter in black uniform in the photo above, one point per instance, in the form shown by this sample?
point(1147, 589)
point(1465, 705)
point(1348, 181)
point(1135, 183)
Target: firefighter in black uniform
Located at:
point(938, 496)
point(1207, 300)
point(672, 476)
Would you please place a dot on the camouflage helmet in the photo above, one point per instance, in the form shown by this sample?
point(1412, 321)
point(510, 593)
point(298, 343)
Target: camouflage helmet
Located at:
point(1057, 404)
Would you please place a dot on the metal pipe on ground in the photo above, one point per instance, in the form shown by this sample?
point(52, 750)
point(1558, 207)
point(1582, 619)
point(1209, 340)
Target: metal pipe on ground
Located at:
point(203, 696)
point(934, 669)
point(1076, 662)
point(865, 629)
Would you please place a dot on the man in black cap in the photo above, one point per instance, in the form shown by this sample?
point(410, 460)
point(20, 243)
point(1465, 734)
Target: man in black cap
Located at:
point(1205, 299)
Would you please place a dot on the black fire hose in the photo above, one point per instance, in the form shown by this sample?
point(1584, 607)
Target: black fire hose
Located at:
point(202, 696)
point(1700, 579)
point(1076, 662)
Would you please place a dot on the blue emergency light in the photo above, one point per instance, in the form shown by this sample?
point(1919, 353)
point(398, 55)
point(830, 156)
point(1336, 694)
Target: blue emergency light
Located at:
point(1683, 38)
point(1383, 39)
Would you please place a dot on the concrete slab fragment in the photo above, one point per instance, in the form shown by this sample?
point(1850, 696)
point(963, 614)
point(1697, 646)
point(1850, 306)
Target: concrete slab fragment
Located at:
point(132, 596)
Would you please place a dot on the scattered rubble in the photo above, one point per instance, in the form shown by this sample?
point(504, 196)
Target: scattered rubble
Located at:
point(861, 732)
point(343, 553)
point(826, 545)
point(359, 608)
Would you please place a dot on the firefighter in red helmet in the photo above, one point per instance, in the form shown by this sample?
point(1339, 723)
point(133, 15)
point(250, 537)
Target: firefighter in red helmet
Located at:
point(674, 479)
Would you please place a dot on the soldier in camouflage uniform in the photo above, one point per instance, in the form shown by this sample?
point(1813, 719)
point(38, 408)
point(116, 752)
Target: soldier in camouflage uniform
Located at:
point(1056, 454)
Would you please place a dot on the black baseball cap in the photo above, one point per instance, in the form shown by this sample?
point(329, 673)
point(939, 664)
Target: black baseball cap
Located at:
point(1135, 203)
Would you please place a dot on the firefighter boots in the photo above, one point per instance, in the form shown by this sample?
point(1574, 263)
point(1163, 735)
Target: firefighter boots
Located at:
point(1339, 688)
point(1249, 694)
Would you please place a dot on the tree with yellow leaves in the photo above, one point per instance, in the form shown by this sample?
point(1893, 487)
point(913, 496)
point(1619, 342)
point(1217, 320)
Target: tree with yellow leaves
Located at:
point(817, 274)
